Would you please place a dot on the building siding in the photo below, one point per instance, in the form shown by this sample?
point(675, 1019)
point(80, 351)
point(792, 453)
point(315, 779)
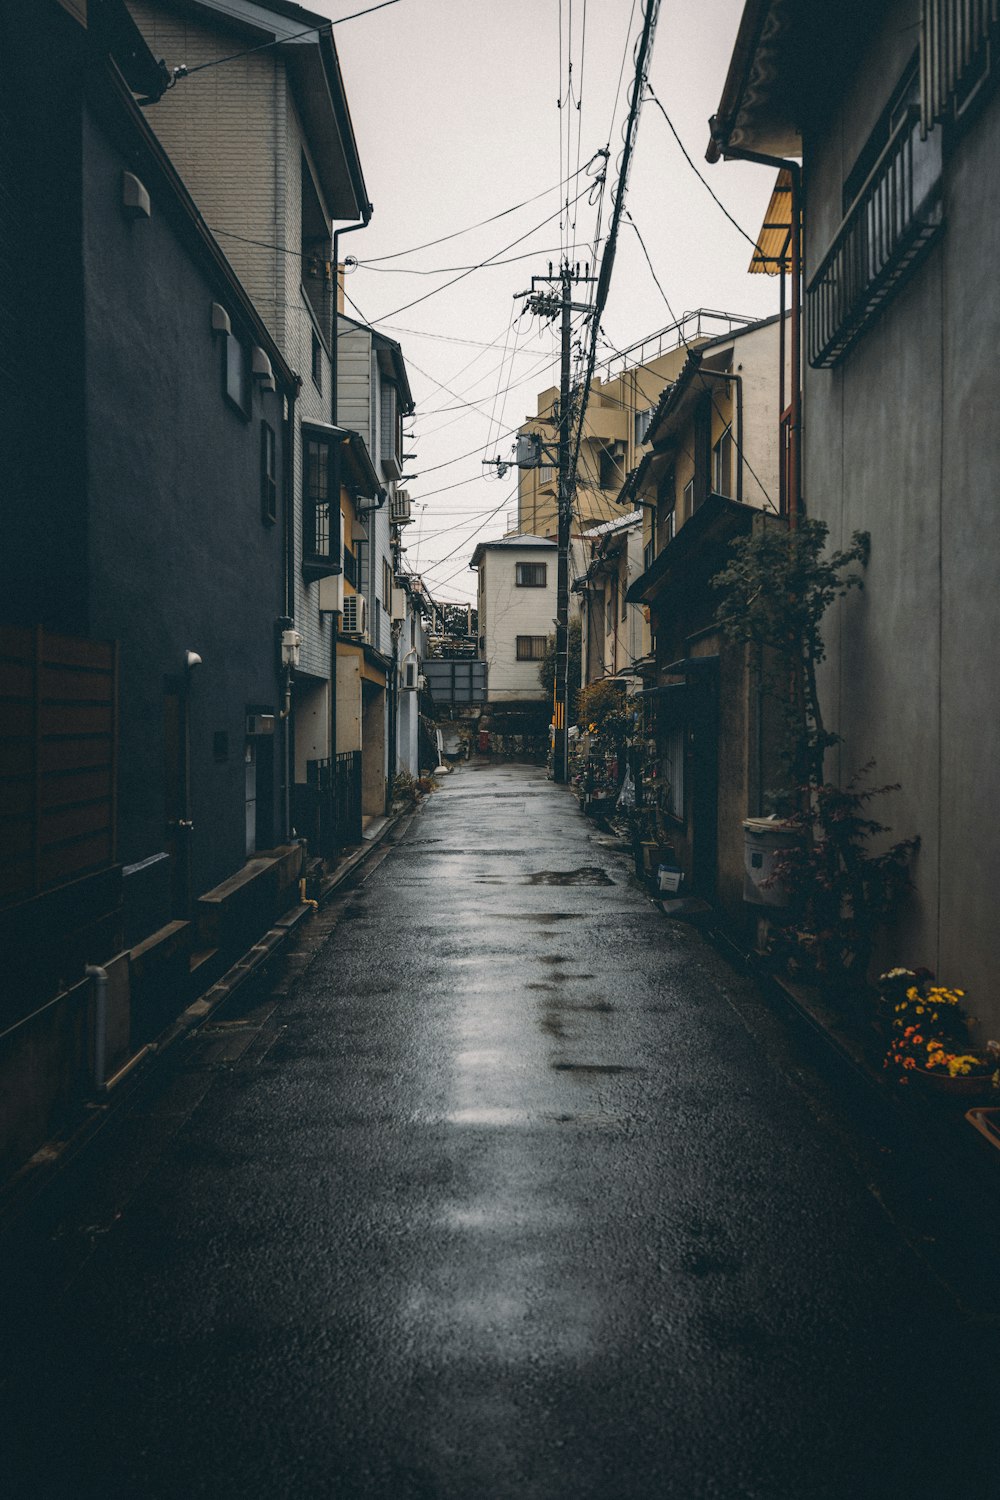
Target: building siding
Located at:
point(900, 441)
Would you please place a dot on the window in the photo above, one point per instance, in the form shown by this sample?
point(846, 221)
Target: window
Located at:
point(317, 363)
point(623, 590)
point(546, 473)
point(610, 471)
point(722, 464)
point(531, 647)
point(387, 584)
point(268, 476)
point(236, 374)
point(689, 499)
point(530, 575)
point(350, 566)
point(642, 421)
point(391, 427)
point(317, 251)
point(905, 98)
point(673, 766)
point(321, 553)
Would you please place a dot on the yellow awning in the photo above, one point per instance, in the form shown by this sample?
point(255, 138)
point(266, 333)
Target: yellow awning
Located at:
point(772, 251)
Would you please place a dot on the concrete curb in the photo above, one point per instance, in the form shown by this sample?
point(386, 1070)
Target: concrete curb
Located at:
point(49, 1160)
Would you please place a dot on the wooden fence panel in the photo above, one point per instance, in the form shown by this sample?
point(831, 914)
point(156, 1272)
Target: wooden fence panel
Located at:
point(58, 759)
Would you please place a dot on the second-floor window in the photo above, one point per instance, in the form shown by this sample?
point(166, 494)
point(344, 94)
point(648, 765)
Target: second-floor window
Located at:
point(722, 464)
point(268, 475)
point(530, 575)
point(531, 647)
point(236, 374)
point(320, 507)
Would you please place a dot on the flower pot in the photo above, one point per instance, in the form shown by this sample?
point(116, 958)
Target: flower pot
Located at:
point(940, 1081)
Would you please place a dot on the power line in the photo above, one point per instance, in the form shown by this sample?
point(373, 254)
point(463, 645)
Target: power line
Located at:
point(444, 270)
point(449, 555)
point(702, 375)
point(456, 233)
point(478, 267)
point(695, 169)
point(217, 62)
point(642, 54)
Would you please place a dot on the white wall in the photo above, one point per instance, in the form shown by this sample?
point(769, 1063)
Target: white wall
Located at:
point(511, 611)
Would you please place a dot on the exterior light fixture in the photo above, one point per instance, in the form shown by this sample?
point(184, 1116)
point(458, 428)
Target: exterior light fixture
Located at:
point(291, 642)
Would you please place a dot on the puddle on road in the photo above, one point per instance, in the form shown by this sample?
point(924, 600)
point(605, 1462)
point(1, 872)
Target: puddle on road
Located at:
point(544, 916)
point(591, 1068)
point(585, 875)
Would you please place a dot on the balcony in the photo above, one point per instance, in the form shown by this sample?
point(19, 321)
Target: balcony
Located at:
point(889, 227)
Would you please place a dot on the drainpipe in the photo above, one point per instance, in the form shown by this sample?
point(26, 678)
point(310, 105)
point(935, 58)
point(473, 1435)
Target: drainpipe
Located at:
point(285, 715)
point(100, 978)
point(334, 384)
point(367, 212)
point(393, 758)
point(794, 169)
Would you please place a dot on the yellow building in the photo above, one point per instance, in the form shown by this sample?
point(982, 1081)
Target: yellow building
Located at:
point(623, 395)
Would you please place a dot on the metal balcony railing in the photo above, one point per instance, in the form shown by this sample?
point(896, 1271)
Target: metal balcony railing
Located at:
point(955, 41)
point(891, 223)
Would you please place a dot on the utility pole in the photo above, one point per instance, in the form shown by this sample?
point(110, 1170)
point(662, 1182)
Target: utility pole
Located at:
point(550, 305)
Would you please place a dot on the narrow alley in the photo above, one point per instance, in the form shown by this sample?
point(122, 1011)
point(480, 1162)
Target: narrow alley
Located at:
point(519, 1190)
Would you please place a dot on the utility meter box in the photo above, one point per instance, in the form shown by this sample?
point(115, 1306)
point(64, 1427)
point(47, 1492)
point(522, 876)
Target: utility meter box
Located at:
point(763, 841)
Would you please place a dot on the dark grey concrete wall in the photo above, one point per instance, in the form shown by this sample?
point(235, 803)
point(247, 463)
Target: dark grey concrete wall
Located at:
point(179, 557)
point(901, 440)
point(42, 494)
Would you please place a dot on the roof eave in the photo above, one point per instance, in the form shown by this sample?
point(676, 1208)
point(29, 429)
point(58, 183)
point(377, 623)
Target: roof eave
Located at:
point(753, 109)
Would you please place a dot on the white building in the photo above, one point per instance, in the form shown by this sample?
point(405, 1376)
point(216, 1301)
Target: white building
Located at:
point(517, 611)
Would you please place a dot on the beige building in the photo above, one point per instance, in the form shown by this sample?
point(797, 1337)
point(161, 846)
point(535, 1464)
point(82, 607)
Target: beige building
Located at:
point(711, 468)
point(622, 397)
point(615, 634)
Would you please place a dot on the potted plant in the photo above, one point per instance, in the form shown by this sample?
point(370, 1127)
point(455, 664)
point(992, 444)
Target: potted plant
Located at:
point(930, 1044)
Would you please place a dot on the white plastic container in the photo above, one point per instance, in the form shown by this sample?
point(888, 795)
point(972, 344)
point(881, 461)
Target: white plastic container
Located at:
point(763, 839)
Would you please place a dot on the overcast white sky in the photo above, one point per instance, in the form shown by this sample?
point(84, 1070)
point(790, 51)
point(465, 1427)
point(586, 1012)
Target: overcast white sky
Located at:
point(454, 108)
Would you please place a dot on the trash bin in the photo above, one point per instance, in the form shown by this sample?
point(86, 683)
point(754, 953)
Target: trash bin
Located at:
point(763, 838)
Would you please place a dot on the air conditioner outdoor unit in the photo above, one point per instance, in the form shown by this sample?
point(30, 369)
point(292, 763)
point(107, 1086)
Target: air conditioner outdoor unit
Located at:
point(399, 508)
point(354, 615)
point(397, 609)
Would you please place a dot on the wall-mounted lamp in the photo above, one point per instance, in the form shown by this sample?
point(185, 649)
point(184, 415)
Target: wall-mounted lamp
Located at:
point(191, 659)
point(261, 367)
point(135, 198)
point(291, 643)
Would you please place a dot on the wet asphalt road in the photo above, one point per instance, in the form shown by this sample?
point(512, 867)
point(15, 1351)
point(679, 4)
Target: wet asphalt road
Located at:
point(517, 1190)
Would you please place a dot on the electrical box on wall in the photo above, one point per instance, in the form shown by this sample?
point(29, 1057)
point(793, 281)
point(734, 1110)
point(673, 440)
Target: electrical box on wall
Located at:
point(331, 594)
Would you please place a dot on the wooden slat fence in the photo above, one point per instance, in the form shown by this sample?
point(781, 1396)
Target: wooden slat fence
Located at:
point(58, 759)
